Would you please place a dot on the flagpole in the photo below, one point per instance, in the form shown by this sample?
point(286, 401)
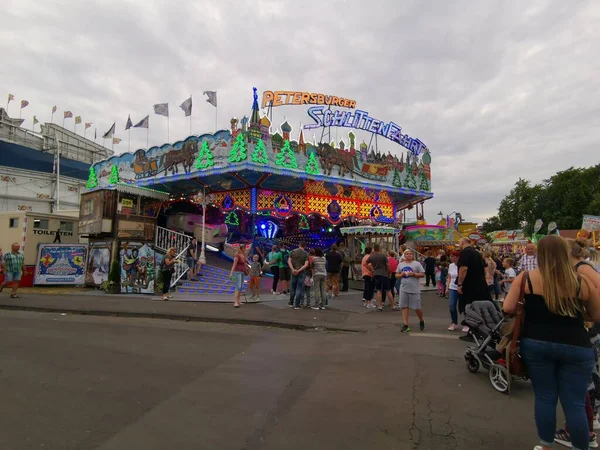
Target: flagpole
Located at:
point(63, 125)
point(190, 116)
point(129, 144)
point(216, 118)
point(147, 132)
point(168, 138)
point(52, 118)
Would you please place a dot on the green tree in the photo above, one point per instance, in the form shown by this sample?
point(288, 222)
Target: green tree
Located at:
point(259, 155)
point(397, 181)
point(517, 209)
point(286, 157)
point(409, 181)
point(232, 219)
point(312, 166)
point(492, 224)
point(205, 157)
point(114, 175)
point(303, 224)
point(568, 195)
point(92, 181)
point(424, 185)
point(238, 151)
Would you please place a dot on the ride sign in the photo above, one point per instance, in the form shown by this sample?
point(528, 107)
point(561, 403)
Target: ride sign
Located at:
point(361, 120)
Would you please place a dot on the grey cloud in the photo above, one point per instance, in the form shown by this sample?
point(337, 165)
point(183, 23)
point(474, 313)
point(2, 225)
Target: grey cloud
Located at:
point(497, 90)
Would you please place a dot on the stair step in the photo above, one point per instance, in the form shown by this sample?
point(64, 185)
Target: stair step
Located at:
point(193, 291)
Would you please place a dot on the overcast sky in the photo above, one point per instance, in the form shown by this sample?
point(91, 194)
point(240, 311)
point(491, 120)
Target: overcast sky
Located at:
point(496, 90)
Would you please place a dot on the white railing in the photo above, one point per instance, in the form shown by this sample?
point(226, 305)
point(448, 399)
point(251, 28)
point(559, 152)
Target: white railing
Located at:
point(164, 240)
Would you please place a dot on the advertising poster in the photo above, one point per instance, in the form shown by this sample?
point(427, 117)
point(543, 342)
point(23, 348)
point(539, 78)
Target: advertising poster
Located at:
point(98, 264)
point(61, 264)
point(591, 223)
point(137, 267)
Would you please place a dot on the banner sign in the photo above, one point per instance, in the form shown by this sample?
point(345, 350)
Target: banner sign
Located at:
point(591, 223)
point(360, 120)
point(281, 98)
point(507, 236)
point(61, 264)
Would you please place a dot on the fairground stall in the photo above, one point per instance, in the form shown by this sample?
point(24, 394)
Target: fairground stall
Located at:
point(256, 183)
point(360, 237)
point(508, 241)
point(424, 238)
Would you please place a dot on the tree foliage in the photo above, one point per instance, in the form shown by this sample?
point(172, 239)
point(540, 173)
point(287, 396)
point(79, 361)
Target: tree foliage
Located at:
point(563, 198)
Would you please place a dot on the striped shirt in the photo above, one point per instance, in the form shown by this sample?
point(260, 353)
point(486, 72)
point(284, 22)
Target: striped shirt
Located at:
point(14, 262)
point(528, 263)
point(318, 263)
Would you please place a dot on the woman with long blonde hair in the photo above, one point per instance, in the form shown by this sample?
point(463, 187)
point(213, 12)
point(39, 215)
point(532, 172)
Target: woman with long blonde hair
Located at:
point(554, 342)
point(167, 268)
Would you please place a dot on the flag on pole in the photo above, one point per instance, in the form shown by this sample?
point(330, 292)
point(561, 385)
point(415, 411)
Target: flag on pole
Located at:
point(88, 125)
point(128, 125)
point(24, 103)
point(162, 109)
point(116, 140)
point(212, 97)
point(35, 121)
point(53, 109)
point(187, 107)
point(10, 97)
point(110, 132)
point(143, 123)
point(77, 120)
point(68, 115)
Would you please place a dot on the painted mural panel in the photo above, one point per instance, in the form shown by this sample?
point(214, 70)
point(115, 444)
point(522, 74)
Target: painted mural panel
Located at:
point(60, 264)
point(226, 151)
point(138, 262)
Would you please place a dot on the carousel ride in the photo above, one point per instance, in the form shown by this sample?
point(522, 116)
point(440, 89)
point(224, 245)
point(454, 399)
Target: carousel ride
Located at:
point(256, 181)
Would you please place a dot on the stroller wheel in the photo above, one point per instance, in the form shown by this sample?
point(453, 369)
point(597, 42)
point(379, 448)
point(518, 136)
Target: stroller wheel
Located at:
point(499, 378)
point(473, 365)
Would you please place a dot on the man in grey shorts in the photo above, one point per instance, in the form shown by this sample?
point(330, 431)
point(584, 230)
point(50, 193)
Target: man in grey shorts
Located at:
point(409, 271)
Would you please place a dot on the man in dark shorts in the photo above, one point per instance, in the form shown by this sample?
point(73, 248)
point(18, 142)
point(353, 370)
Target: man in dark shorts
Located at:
point(471, 278)
point(378, 262)
point(334, 262)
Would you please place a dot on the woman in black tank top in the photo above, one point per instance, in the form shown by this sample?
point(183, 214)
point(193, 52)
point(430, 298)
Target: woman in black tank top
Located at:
point(554, 342)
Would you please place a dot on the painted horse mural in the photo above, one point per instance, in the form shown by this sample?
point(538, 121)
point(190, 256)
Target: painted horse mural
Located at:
point(185, 157)
point(330, 157)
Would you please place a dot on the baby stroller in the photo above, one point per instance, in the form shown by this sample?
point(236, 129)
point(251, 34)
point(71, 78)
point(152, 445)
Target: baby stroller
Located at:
point(486, 321)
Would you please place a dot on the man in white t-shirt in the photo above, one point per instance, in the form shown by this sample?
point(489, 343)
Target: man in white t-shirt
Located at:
point(410, 271)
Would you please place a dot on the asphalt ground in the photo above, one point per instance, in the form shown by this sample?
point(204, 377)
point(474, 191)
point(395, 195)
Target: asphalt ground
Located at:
point(72, 381)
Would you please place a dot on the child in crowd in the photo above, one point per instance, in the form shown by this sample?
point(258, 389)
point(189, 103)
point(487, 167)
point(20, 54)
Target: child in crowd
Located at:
point(438, 279)
point(443, 277)
point(255, 272)
point(509, 274)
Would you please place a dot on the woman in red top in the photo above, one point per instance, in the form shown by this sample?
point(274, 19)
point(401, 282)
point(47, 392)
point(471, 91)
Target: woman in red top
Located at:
point(238, 272)
point(393, 263)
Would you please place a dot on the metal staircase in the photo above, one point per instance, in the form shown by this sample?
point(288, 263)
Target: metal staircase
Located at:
point(164, 240)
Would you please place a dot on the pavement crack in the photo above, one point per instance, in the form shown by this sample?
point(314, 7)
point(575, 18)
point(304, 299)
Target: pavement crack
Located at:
point(414, 431)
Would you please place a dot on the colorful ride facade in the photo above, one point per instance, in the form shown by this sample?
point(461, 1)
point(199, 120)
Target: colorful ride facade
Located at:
point(257, 176)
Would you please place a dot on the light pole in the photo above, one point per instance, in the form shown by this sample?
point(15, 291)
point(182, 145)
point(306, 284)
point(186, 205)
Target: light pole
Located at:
point(202, 253)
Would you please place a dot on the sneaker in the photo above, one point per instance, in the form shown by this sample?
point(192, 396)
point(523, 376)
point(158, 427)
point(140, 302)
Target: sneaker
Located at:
point(422, 325)
point(405, 329)
point(257, 299)
point(593, 441)
point(465, 329)
point(322, 307)
point(562, 437)
point(290, 306)
point(452, 327)
point(380, 309)
point(316, 308)
point(371, 306)
point(296, 307)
